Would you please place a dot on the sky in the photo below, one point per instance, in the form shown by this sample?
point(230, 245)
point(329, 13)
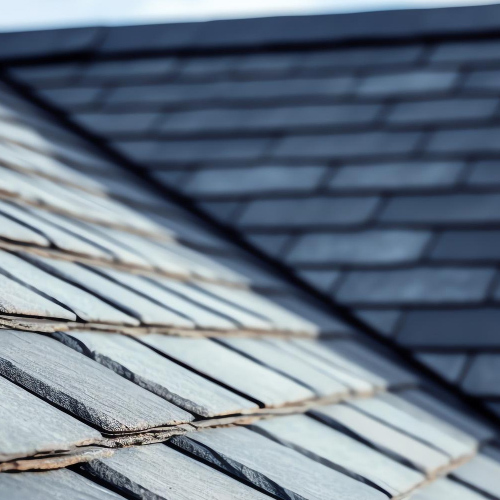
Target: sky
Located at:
point(32, 14)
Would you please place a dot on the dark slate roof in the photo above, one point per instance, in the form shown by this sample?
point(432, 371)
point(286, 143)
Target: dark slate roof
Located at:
point(148, 353)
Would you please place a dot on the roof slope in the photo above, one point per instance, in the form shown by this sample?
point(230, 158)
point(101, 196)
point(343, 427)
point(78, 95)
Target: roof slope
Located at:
point(369, 168)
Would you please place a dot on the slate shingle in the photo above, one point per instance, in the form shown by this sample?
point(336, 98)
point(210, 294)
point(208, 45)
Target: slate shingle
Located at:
point(467, 246)
point(478, 140)
point(453, 111)
point(481, 378)
point(483, 81)
point(449, 366)
point(416, 286)
point(476, 52)
point(347, 145)
point(450, 209)
point(73, 97)
point(485, 174)
point(410, 82)
point(451, 328)
point(255, 180)
point(366, 247)
point(117, 124)
point(308, 212)
point(397, 176)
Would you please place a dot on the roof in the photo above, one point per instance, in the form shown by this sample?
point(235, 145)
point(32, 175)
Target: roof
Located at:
point(146, 351)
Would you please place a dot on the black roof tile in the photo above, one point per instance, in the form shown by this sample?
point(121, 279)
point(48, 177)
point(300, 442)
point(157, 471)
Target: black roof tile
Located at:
point(359, 248)
point(466, 328)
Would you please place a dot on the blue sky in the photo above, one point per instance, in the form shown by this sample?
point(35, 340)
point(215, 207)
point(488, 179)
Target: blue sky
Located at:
point(30, 14)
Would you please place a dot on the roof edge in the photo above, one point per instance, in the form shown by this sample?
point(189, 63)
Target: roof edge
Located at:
point(255, 33)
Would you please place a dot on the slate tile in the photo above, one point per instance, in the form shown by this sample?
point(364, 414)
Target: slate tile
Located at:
point(273, 244)
point(417, 423)
point(48, 74)
point(53, 484)
point(385, 321)
point(383, 437)
point(234, 315)
point(467, 246)
point(224, 211)
point(309, 212)
point(387, 368)
point(324, 353)
point(397, 177)
point(86, 306)
point(280, 317)
point(322, 279)
point(448, 366)
point(443, 209)
point(13, 231)
point(205, 67)
point(445, 488)
point(296, 88)
point(360, 248)
point(31, 426)
point(409, 82)
point(356, 145)
point(63, 240)
point(481, 378)
point(356, 380)
point(16, 299)
point(476, 52)
point(326, 321)
point(137, 306)
point(134, 472)
point(108, 402)
point(157, 374)
point(456, 328)
point(446, 110)
point(353, 57)
point(73, 97)
point(482, 474)
point(485, 174)
point(483, 81)
point(118, 71)
point(260, 120)
point(332, 448)
point(255, 180)
point(161, 296)
point(277, 469)
point(195, 151)
point(416, 286)
point(477, 140)
point(451, 410)
point(268, 64)
point(231, 369)
point(276, 358)
point(116, 124)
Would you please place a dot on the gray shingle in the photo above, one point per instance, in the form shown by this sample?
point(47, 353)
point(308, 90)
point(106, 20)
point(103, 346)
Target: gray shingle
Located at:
point(410, 82)
point(449, 110)
point(384, 321)
point(309, 212)
point(420, 286)
point(397, 176)
point(347, 145)
point(56, 373)
point(254, 180)
point(475, 328)
point(323, 279)
point(364, 56)
point(468, 246)
point(446, 209)
point(273, 244)
point(58, 74)
point(73, 97)
point(476, 140)
point(257, 65)
point(475, 52)
point(366, 247)
point(484, 81)
point(205, 67)
point(181, 152)
point(481, 378)
point(485, 174)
